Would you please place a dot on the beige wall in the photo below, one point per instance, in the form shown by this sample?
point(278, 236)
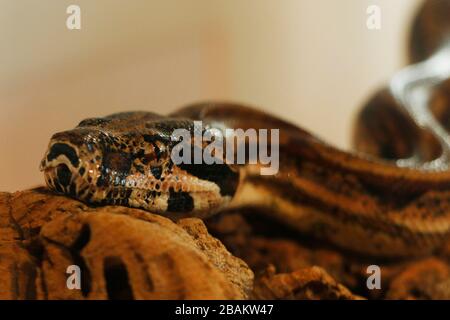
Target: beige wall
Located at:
point(310, 61)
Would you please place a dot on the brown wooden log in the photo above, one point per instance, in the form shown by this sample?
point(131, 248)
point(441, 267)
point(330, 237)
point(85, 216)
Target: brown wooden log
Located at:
point(122, 253)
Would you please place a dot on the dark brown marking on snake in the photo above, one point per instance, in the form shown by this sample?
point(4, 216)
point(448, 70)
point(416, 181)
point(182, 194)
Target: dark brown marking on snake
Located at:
point(430, 28)
point(219, 173)
point(179, 202)
point(139, 168)
point(63, 149)
point(64, 175)
point(156, 172)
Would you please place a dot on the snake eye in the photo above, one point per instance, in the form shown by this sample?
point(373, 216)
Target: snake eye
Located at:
point(118, 161)
point(115, 166)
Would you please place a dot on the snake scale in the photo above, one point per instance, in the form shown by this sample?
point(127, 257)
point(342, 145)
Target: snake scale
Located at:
point(389, 198)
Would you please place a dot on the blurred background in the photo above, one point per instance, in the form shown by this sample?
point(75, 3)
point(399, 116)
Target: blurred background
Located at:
point(313, 62)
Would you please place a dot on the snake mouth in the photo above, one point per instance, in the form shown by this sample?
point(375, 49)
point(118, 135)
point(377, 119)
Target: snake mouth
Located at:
point(59, 178)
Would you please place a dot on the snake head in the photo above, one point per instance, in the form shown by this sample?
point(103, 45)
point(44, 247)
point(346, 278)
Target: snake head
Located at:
point(72, 162)
point(126, 159)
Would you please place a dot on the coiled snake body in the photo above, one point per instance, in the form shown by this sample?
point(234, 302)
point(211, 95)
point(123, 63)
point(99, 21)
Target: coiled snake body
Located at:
point(391, 198)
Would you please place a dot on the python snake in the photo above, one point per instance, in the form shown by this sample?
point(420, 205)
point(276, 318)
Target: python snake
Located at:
point(390, 198)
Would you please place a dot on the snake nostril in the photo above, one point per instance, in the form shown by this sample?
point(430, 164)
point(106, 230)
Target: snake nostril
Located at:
point(64, 175)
